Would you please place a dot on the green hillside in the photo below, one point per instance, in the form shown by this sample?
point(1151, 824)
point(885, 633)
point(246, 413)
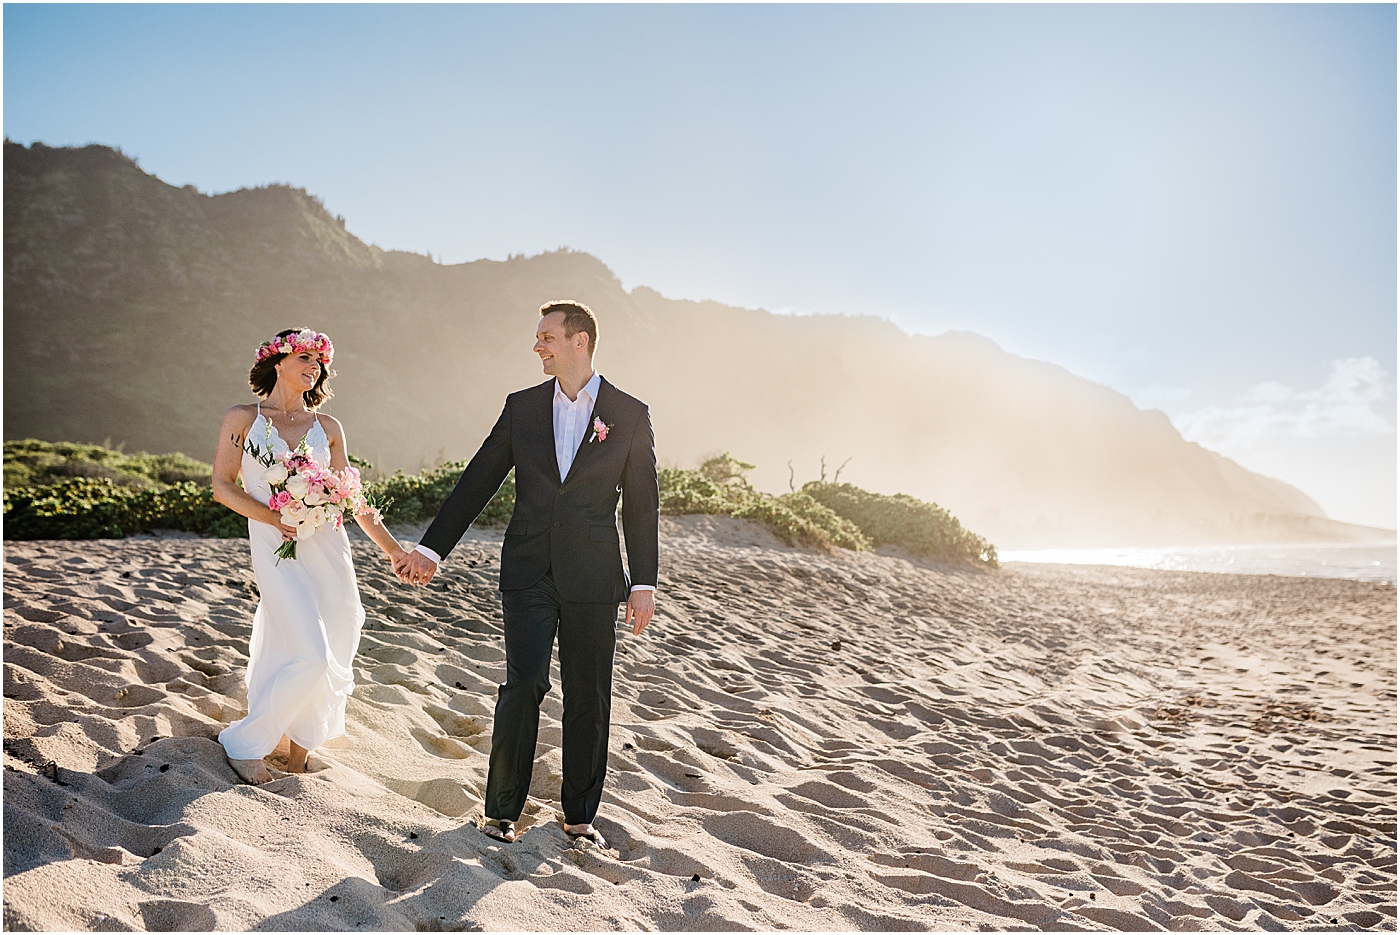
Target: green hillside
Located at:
point(132, 309)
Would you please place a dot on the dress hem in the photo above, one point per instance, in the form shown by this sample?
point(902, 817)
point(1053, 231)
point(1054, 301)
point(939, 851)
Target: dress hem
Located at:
point(294, 740)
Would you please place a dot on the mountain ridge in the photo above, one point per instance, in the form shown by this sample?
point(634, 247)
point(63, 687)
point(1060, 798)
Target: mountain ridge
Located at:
point(133, 307)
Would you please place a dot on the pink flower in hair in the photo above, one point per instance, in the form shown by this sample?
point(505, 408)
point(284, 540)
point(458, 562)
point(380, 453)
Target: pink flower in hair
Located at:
point(310, 341)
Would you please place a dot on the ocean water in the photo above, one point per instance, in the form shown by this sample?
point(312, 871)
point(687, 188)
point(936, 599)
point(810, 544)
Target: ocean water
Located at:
point(1361, 562)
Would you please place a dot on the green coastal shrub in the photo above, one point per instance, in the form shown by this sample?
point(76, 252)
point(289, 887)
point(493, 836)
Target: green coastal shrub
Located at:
point(64, 490)
point(191, 507)
point(899, 519)
point(841, 531)
point(418, 497)
point(719, 488)
point(61, 490)
point(57, 490)
point(30, 462)
point(77, 508)
point(98, 508)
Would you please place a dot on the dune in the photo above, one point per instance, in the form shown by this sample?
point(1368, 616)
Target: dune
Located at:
point(801, 740)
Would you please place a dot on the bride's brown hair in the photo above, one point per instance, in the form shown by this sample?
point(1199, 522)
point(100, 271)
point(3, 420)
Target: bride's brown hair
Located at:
point(263, 377)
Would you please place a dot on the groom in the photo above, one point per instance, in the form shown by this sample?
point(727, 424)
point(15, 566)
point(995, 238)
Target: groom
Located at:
point(575, 442)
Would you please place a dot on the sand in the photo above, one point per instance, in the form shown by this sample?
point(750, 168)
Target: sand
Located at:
point(799, 741)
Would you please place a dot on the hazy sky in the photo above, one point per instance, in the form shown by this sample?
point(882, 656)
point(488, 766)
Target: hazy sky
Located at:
point(1193, 204)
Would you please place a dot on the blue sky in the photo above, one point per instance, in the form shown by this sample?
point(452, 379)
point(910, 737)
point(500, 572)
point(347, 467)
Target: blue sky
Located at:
point(1194, 204)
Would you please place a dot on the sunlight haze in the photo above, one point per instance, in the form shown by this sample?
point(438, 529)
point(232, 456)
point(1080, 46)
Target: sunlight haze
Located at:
point(1194, 205)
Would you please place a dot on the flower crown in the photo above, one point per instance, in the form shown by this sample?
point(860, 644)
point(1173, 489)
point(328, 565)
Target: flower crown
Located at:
point(313, 341)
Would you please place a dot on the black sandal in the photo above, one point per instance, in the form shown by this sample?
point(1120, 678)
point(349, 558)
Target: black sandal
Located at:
point(590, 835)
point(500, 829)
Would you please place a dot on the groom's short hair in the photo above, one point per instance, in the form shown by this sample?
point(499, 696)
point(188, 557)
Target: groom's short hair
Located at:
point(577, 317)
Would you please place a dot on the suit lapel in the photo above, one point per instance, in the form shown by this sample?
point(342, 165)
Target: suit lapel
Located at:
point(601, 408)
point(544, 415)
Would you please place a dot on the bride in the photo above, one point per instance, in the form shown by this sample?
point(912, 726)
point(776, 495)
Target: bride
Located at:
point(307, 625)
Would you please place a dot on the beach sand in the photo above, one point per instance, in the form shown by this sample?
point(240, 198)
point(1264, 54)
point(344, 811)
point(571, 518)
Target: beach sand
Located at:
point(800, 740)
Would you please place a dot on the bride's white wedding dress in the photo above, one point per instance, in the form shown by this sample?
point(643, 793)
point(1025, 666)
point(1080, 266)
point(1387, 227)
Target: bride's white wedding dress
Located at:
point(306, 628)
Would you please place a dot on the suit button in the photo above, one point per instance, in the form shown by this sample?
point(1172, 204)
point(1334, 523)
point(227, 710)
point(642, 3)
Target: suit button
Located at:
point(557, 525)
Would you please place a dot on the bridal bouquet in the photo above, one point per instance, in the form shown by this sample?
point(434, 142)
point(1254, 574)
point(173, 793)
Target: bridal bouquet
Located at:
point(310, 496)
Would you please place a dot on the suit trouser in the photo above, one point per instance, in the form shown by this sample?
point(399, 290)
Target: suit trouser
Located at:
point(587, 637)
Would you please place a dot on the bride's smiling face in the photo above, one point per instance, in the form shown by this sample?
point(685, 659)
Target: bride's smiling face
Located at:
point(301, 370)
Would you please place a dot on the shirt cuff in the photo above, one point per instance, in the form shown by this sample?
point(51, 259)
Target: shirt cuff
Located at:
point(643, 587)
point(437, 559)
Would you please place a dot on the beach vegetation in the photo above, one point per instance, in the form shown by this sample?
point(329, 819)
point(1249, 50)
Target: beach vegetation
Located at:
point(31, 462)
point(61, 490)
point(99, 508)
point(922, 528)
point(719, 487)
point(416, 498)
point(66, 490)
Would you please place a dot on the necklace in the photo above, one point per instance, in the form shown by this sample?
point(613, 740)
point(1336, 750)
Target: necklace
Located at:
point(291, 414)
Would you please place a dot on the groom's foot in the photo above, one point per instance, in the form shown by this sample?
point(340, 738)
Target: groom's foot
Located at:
point(253, 772)
point(499, 828)
point(586, 831)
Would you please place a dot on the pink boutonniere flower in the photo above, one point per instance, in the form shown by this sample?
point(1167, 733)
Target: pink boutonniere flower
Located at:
point(600, 430)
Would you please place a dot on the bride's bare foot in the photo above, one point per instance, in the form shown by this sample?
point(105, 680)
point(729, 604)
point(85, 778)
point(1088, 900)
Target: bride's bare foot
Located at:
point(253, 772)
point(296, 758)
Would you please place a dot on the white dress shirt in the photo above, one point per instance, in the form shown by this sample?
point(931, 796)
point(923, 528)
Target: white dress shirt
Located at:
point(572, 424)
point(571, 421)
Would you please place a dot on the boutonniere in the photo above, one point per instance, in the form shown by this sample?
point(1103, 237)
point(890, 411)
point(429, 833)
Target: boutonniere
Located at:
point(600, 431)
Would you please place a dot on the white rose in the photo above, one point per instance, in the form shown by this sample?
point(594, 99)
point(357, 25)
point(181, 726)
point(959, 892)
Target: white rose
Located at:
point(275, 474)
point(316, 516)
point(294, 512)
point(305, 531)
point(298, 486)
point(315, 497)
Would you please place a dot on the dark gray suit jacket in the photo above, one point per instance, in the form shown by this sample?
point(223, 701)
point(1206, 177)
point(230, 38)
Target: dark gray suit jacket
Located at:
point(569, 528)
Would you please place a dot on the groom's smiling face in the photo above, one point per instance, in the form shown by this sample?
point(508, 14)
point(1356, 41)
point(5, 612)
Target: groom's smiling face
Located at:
point(558, 353)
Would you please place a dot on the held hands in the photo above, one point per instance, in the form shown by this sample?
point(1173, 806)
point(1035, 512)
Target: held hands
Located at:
point(414, 567)
point(640, 606)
